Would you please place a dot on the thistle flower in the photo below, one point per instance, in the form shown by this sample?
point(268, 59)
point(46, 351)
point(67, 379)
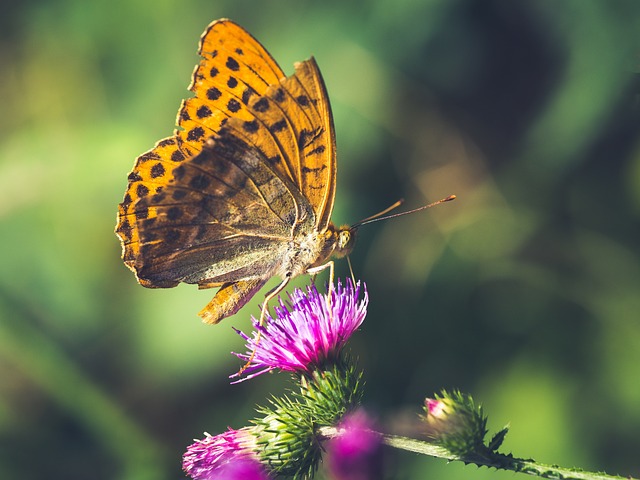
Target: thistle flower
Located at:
point(356, 453)
point(308, 332)
point(230, 455)
point(306, 336)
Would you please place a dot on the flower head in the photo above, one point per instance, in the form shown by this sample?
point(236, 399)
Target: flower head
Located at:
point(308, 332)
point(230, 455)
point(356, 453)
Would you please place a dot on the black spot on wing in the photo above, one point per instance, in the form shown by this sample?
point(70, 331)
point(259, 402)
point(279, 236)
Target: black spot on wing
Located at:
point(316, 151)
point(142, 212)
point(251, 126)
point(177, 156)
point(127, 201)
point(233, 105)
point(213, 94)
point(166, 142)
point(195, 134)
point(275, 159)
point(246, 95)
point(178, 194)
point(278, 126)
point(125, 229)
point(232, 64)
point(142, 190)
point(203, 112)
point(261, 105)
point(313, 170)
point(279, 96)
point(145, 157)
point(159, 196)
point(178, 173)
point(157, 170)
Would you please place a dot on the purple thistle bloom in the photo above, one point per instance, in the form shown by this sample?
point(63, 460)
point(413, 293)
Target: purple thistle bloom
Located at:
point(308, 331)
point(230, 455)
point(356, 453)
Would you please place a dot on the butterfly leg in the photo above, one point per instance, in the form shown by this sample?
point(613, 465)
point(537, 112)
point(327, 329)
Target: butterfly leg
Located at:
point(316, 270)
point(263, 312)
point(270, 296)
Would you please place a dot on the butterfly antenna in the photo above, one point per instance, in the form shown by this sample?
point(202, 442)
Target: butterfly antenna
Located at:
point(381, 216)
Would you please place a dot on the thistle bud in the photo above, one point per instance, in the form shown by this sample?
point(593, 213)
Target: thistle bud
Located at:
point(453, 421)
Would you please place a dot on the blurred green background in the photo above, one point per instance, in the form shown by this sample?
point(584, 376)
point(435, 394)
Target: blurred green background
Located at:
point(524, 292)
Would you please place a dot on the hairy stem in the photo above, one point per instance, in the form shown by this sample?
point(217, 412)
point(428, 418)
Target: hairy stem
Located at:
point(497, 460)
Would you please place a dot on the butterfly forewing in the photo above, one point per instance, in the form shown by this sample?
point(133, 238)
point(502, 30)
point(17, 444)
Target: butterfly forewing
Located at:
point(234, 67)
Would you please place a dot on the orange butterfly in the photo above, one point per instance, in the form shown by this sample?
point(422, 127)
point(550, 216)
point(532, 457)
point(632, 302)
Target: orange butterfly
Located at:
point(243, 191)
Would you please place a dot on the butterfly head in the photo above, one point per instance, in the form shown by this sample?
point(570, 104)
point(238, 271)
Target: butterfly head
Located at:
point(345, 239)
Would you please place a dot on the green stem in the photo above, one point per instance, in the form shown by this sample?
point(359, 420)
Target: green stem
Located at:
point(497, 460)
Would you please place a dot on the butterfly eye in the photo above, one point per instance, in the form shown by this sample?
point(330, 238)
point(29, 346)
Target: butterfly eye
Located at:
point(346, 241)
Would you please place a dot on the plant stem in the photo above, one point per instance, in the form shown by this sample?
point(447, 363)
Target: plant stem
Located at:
point(497, 460)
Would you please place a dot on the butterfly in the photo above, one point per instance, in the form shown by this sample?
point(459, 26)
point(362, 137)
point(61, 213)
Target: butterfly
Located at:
point(244, 189)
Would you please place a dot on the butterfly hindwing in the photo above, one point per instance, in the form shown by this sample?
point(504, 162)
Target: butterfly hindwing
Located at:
point(221, 218)
point(229, 299)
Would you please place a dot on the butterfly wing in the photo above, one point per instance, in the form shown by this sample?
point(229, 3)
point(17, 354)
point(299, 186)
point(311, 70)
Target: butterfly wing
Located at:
point(224, 219)
point(233, 68)
point(292, 126)
point(231, 297)
point(218, 203)
point(223, 216)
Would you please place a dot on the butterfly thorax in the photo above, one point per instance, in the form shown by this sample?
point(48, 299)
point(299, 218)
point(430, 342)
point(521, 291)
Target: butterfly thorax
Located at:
point(314, 249)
